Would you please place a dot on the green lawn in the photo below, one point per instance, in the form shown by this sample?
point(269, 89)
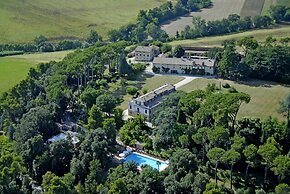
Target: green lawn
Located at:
point(12, 71)
point(260, 35)
point(150, 83)
point(265, 96)
point(22, 21)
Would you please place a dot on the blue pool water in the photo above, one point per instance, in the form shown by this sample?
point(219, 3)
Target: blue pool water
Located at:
point(142, 160)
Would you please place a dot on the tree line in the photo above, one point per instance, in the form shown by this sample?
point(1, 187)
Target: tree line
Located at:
point(148, 22)
point(42, 44)
point(269, 60)
point(234, 23)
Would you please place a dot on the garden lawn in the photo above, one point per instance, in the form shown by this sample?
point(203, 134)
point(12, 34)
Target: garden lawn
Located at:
point(12, 71)
point(265, 96)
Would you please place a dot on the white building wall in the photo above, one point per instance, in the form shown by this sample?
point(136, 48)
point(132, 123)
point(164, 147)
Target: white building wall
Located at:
point(134, 109)
point(179, 68)
point(143, 56)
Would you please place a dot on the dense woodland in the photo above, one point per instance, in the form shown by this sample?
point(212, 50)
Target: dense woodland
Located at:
point(269, 60)
point(209, 149)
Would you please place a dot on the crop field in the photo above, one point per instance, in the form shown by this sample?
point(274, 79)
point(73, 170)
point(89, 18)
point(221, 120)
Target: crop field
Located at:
point(13, 69)
point(220, 9)
point(252, 8)
point(260, 35)
point(265, 96)
point(21, 21)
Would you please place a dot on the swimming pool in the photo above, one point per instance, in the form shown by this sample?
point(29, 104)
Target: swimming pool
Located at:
point(142, 160)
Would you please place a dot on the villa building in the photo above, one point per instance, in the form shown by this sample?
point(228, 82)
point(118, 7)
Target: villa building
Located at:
point(147, 103)
point(146, 53)
point(193, 66)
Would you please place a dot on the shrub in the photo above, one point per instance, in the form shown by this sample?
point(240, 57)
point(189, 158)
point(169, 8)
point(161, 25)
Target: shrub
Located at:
point(226, 85)
point(144, 91)
point(132, 90)
point(138, 67)
point(10, 53)
point(233, 90)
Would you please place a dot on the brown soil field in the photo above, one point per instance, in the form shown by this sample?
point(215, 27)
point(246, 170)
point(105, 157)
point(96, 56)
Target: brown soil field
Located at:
point(219, 10)
point(252, 8)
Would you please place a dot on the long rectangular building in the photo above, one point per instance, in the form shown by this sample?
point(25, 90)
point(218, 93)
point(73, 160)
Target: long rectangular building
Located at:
point(147, 103)
point(199, 66)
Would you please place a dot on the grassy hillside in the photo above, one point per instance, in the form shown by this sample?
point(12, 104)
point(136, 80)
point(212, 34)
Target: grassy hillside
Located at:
point(260, 35)
point(268, 3)
point(220, 9)
point(283, 2)
point(22, 20)
point(265, 96)
point(13, 69)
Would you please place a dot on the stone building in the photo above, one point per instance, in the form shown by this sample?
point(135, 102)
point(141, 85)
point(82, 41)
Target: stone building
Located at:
point(147, 103)
point(146, 53)
point(200, 66)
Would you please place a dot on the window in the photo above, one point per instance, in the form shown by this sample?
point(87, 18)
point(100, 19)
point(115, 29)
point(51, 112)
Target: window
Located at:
point(145, 111)
point(138, 110)
point(130, 107)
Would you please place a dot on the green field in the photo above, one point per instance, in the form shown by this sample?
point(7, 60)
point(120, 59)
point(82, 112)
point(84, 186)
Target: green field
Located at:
point(268, 3)
point(12, 71)
point(43, 57)
point(283, 2)
point(260, 35)
point(266, 7)
point(265, 96)
point(22, 21)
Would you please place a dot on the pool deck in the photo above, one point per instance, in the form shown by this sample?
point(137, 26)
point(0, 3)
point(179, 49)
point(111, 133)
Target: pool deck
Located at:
point(145, 155)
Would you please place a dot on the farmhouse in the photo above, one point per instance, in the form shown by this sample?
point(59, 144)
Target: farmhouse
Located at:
point(146, 104)
point(146, 53)
point(195, 66)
